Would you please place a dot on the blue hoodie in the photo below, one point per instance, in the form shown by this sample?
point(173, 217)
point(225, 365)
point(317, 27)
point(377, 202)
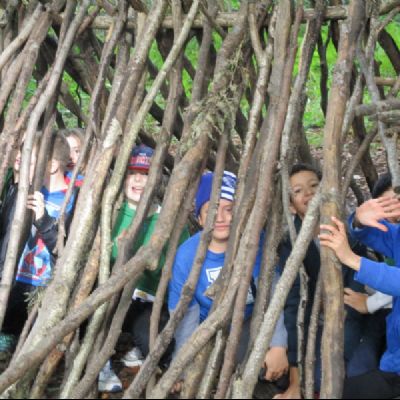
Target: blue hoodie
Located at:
point(385, 279)
point(210, 271)
point(201, 305)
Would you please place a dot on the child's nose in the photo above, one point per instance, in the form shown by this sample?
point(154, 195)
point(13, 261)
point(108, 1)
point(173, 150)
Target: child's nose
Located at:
point(220, 215)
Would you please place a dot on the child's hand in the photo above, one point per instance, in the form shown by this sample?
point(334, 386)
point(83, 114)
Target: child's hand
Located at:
point(337, 240)
point(373, 211)
point(36, 204)
point(276, 363)
point(177, 388)
point(356, 300)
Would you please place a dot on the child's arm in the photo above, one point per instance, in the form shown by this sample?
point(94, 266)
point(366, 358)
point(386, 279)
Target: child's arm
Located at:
point(368, 224)
point(180, 274)
point(191, 320)
point(276, 360)
point(376, 239)
point(46, 225)
point(48, 229)
point(378, 276)
point(280, 338)
point(291, 306)
point(187, 326)
point(290, 319)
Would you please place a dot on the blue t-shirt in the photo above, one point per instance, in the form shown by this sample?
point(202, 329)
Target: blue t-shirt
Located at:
point(35, 265)
point(210, 271)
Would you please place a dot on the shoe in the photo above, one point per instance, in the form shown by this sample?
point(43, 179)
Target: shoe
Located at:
point(7, 345)
point(134, 358)
point(109, 381)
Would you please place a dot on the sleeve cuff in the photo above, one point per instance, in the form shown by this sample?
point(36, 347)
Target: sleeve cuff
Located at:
point(292, 358)
point(378, 301)
point(363, 274)
point(371, 306)
point(45, 223)
point(352, 228)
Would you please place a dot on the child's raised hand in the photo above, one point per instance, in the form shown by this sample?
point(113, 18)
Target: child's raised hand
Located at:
point(36, 204)
point(336, 239)
point(373, 211)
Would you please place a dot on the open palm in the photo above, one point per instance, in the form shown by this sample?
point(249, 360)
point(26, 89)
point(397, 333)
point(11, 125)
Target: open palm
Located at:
point(374, 211)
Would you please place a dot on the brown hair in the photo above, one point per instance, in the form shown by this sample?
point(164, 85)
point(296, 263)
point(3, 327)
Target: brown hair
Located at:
point(60, 150)
point(78, 133)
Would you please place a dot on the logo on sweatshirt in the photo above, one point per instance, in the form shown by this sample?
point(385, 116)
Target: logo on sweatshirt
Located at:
point(213, 274)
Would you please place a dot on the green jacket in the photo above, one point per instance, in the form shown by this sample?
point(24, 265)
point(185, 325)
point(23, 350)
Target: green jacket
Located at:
point(149, 281)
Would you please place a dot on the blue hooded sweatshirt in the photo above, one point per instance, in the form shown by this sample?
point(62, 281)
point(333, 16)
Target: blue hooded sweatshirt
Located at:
point(210, 271)
point(201, 304)
point(385, 279)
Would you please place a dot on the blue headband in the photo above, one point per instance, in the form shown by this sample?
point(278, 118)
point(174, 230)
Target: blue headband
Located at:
point(228, 189)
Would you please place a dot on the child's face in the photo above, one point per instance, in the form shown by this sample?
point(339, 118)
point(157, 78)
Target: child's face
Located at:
point(135, 184)
point(222, 227)
point(391, 194)
point(18, 160)
point(303, 186)
point(75, 145)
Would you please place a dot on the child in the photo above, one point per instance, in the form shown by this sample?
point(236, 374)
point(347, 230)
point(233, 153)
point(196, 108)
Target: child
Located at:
point(9, 199)
point(304, 183)
point(75, 140)
point(213, 264)
point(377, 305)
point(8, 181)
point(378, 301)
point(369, 225)
point(38, 257)
point(137, 321)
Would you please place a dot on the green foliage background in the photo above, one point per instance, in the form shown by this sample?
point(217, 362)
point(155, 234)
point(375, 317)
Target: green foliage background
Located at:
point(313, 120)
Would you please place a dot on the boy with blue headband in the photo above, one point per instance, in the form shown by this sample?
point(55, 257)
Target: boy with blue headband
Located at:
point(214, 262)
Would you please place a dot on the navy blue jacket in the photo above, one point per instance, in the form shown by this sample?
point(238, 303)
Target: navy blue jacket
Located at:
point(7, 211)
point(312, 264)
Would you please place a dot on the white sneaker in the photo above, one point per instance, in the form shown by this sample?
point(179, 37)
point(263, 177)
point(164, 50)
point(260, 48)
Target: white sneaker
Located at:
point(134, 358)
point(109, 381)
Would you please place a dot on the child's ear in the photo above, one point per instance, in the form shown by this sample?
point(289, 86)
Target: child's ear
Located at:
point(292, 209)
point(200, 221)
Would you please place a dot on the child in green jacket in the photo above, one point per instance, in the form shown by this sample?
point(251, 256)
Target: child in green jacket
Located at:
point(137, 321)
